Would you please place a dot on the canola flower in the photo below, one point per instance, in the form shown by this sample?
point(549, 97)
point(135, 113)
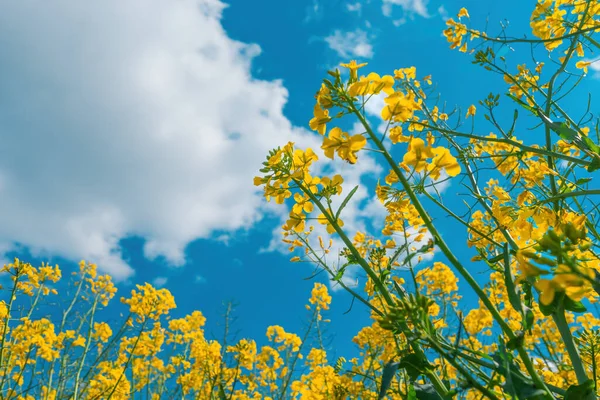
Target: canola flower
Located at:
point(510, 315)
point(530, 218)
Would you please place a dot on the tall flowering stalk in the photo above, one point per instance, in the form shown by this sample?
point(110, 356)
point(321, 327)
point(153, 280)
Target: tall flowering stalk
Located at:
point(531, 221)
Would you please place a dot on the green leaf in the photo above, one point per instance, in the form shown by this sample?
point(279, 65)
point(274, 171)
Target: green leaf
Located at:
point(572, 305)
point(389, 370)
point(339, 274)
point(581, 141)
point(529, 318)
point(345, 202)
point(512, 128)
point(516, 342)
point(592, 41)
point(580, 392)
point(590, 144)
point(551, 308)
point(426, 392)
point(522, 103)
point(564, 131)
point(494, 260)
point(414, 365)
point(582, 181)
point(328, 83)
point(397, 254)
point(547, 309)
point(518, 385)
point(513, 296)
point(222, 395)
point(594, 165)
point(411, 395)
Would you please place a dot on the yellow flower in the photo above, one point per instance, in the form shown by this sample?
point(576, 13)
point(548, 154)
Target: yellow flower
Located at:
point(303, 203)
point(548, 289)
point(396, 135)
point(80, 341)
point(372, 84)
point(417, 154)
point(149, 302)
point(320, 120)
point(399, 107)
point(245, 353)
point(322, 219)
point(583, 65)
point(564, 280)
point(443, 159)
point(405, 73)
point(334, 184)
point(324, 97)
point(296, 222)
point(302, 159)
point(320, 297)
point(346, 146)
point(353, 67)
point(102, 332)
point(471, 111)
point(463, 13)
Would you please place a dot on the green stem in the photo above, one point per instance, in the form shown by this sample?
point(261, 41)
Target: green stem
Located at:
point(5, 327)
point(86, 349)
point(439, 241)
point(528, 149)
point(560, 196)
point(534, 41)
point(463, 371)
point(565, 333)
point(435, 380)
point(128, 359)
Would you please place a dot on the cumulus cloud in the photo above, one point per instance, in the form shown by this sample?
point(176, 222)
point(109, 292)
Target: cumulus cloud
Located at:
point(137, 118)
point(350, 44)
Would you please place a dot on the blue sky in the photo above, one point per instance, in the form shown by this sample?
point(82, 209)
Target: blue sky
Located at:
point(131, 132)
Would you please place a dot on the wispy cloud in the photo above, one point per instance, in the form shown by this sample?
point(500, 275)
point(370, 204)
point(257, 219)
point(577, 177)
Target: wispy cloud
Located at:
point(354, 7)
point(159, 281)
point(350, 44)
point(594, 67)
point(314, 12)
point(410, 8)
point(443, 13)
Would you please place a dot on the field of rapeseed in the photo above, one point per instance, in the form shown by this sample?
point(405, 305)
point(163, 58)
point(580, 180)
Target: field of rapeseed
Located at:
point(530, 214)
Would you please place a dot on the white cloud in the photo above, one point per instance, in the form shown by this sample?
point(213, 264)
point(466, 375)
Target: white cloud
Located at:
point(409, 8)
point(199, 279)
point(129, 118)
point(159, 281)
point(443, 12)
point(373, 107)
point(350, 44)
point(594, 67)
point(354, 7)
point(314, 12)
